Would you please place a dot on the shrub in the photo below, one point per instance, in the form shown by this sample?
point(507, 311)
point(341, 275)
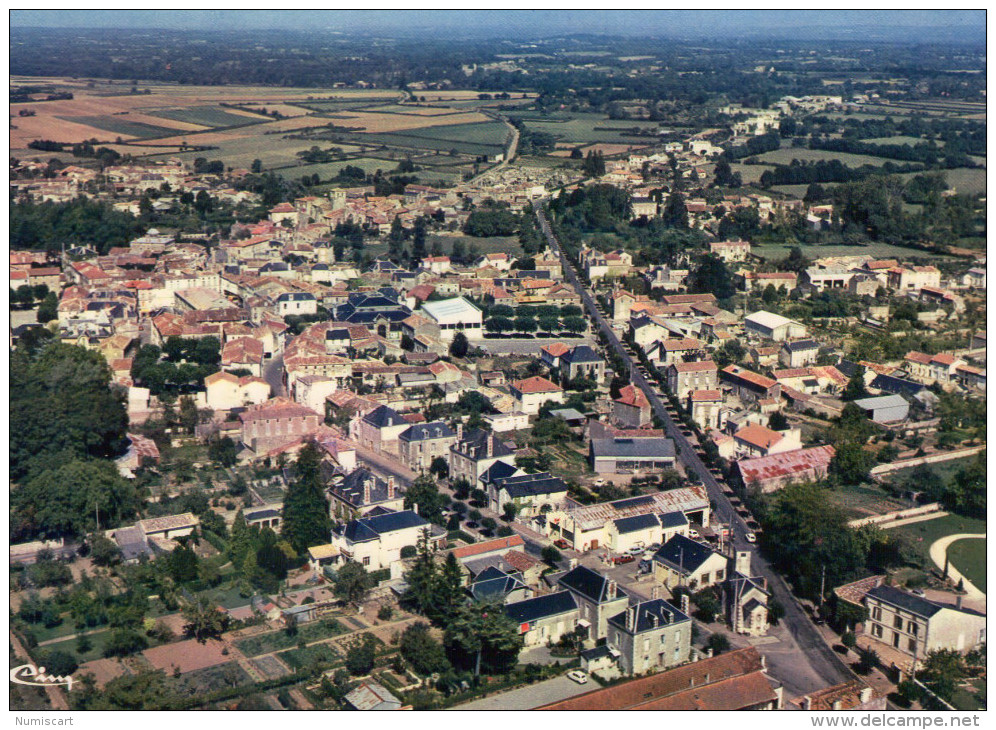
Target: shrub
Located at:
point(409, 551)
point(385, 613)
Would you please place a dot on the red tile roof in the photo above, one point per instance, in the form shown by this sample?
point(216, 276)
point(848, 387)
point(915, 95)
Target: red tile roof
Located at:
point(536, 384)
point(701, 366)
point(488, 546)
point(760, 436)
point(799, 463)
point(706, 395)
point(630, 395)
point(556, 349)
point(749, 376)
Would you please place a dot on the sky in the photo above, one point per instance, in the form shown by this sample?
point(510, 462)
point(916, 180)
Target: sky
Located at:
point(894, 24)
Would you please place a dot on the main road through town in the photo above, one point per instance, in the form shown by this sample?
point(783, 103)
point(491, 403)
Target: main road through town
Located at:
point(812, 649)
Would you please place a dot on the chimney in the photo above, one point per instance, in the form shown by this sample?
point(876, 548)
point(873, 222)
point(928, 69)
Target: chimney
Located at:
point(459, 430)
point(807, 703)
point(490, 439)
point(958, 603)
point(684, 604)
point(865, 695)
point(390, 487)
point(837, 705)
point(631, 618)
point(367, 484)
point(610, 590)
point(572, 563)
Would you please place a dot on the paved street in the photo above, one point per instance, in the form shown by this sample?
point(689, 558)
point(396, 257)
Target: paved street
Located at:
point(530, 696)
point(385, 465)
point(810, 648)
point(273, 373)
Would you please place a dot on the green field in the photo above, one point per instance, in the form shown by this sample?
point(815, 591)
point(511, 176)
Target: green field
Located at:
point(208, 116)
point(486, 138)
point(969, 557)
point(588, 128)
point(751, 174)
point(297, 658)
point(899, 139)
point(360, 102)
point(274, 150)
point(119, 125)
point(328, 170)
point(865, 501)
point(966, 180)
point(946, 470)
point(785, 156)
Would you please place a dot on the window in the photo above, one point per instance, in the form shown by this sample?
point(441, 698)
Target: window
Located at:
point(877, 631)
point(912, 628)
point(897, 623)
point(877, 613)
point(366, 560)
point(912, 645)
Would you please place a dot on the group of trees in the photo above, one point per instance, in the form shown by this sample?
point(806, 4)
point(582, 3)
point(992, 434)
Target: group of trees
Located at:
point(478, 637)
point(492, 220)
point(179, 366)
point(261, 557)
point(50, 226)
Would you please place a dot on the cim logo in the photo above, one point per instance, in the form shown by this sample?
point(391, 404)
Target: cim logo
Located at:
point(32, 676)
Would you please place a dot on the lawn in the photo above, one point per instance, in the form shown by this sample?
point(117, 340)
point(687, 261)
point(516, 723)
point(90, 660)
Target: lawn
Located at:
point(925, 534)
point(96, 651)
point(946, 470)
point(328, 170)
point(966, 180)
point(586, 128)
point(969, 557)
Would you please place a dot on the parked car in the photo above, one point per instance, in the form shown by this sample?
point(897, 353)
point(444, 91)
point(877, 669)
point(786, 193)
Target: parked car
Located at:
point(693, 533)
point(635, 550)
point(562, 544)
point(623, 559)
point(750, 537)
point(578, 676)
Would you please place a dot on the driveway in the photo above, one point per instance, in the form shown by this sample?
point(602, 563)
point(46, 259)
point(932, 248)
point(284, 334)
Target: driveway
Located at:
point(530, 696)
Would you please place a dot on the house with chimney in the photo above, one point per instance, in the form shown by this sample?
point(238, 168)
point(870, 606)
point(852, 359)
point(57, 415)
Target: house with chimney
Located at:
point(544, 619)
point(650, 636)
point(854, 696)
point(684, 377)
point(276, 423)
point(360, 492)
point(379, 430)
point(475, 452)
point(530, 493)
point(682, 561)
point(597, 598)
point(531, 393)
point(376, 541)
point(421, 443)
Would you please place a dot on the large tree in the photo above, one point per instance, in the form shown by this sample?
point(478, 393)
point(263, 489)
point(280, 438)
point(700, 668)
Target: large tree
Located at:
point(424, 494)
point(481, 636)
point(306, 510)
point(204, 620)
point(712, 275)
point(352, 583)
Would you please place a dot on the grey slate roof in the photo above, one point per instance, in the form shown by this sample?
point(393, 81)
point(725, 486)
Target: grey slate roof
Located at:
point(531, 485)
point(533, 609)
point(427, 431)
point(673, 519)
point(881, 401)
point(906, 601)
point(627, 448)
point(588, 583)
point(801, 345)
point(383, 416)
point(646, 612)
point(626, 525)
point(580, 354)
point(683, 554)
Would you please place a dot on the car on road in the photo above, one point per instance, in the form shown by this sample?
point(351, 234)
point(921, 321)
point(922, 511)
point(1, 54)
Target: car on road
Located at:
point(578, 676)
point(623, 559)
point(599, 482)
point(750, 537)
point(562, 544)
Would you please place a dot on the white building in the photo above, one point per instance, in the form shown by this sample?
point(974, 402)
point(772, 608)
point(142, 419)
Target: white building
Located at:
point(455, 315)
point(773, 326)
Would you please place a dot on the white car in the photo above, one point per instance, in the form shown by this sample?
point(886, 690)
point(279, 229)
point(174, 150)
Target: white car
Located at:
point(692, 533)
point(578, 676)
point(634, 551)
point(750, 537)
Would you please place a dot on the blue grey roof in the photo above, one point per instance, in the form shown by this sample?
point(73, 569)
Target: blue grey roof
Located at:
point(659, 609)
point(683, 554)
point(633, 447)
point(905, 601)
point(596, 653)
point(382, 416)
point(394, 521)
point(498, 470)
point(262, 514)
point(892, 384)
point(579, 354)
point(493, 584)
point(673, 519)
point(427, 431)
point(351, 488)
point(337, 333)
point(296, 297)
point(626, 525)
point(531, 485)
point(474, 444)
point(588, 583)
point(533, 609)
point(801, 345)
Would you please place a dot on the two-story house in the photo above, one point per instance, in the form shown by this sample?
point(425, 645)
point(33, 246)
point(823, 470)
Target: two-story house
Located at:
point(631, 408)
point(682, 561)
point(651, 635)
point(475, 452)
point(376, 542)
point(684, 377)
point(597, 598)
point(421, 443)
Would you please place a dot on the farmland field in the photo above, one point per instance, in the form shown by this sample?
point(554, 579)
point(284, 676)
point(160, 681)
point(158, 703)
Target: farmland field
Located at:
point(326, 170)
point(785, 156)
point(588, 128)
point(969, 181)
point(122, 126)
point(377, 122)
point(209, 116)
